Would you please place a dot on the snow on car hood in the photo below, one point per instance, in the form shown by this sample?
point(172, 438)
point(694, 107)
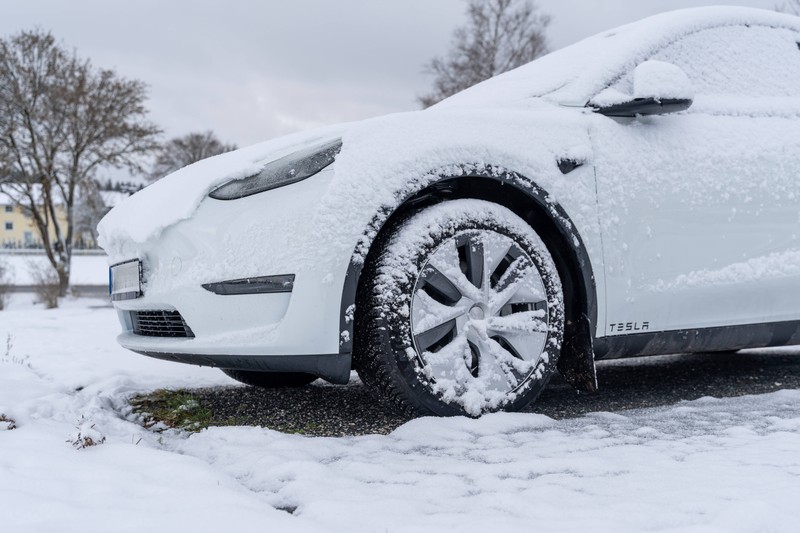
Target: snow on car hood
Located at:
point(175, 197)
point(380, 158)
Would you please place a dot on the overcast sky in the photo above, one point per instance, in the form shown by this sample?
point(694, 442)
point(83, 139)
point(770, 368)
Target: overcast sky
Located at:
point(252, 70)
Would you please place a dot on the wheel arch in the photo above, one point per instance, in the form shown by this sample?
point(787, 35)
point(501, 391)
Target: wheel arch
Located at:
point(534, 205)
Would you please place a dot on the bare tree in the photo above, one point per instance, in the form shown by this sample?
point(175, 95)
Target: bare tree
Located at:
point(61, 120)
point(90, 207)
point(499, 35)
point(790, 6)
point(185, 150)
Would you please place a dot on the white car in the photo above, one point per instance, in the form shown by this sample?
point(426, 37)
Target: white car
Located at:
point(636, 193)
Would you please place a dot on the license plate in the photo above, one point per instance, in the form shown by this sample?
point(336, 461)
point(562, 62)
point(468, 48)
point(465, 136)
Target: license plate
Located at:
point(125, 280)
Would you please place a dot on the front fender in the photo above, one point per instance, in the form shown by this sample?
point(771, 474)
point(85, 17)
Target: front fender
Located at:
point(532, 203)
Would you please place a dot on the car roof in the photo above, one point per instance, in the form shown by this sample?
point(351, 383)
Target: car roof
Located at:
point(576, 73)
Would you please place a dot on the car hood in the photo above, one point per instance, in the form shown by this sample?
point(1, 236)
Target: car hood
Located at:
point(426, 139)
point(379, 158)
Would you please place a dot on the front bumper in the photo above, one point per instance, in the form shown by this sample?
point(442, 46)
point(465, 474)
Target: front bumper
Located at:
point(331, 367)
point(261, 235)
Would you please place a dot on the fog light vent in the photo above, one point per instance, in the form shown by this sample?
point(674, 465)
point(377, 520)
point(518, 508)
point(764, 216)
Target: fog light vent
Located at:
point(160, 324)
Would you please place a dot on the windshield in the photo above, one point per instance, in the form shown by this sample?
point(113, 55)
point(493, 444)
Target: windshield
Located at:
point(573, 75)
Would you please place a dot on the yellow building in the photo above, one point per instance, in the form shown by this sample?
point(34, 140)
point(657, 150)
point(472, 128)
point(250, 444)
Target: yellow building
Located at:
point(17, 228)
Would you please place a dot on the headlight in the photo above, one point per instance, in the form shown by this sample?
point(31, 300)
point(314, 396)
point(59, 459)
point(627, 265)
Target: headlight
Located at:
point(284, 171)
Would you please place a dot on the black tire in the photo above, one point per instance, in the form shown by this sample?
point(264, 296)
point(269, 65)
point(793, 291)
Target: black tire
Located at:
point(271, 380)
point(386, 352)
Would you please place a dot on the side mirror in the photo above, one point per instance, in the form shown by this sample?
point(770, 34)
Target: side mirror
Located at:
point(659, 88)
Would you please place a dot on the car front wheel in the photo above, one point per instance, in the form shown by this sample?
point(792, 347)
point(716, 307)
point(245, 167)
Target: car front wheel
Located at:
point(460, 312)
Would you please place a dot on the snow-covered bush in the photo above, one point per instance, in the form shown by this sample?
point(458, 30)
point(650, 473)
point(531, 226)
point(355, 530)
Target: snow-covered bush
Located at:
point(86, 435)
point(5, 283)
point(7, 424)
point(45, 283)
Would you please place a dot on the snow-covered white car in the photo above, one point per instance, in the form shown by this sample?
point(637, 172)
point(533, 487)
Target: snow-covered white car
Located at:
point(635, 193)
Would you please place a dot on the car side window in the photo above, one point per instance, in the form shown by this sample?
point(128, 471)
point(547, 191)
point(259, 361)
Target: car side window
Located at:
point(734, 62)
point(754, 61)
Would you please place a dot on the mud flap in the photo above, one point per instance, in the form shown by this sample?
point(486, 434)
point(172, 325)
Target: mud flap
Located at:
point(576, 363)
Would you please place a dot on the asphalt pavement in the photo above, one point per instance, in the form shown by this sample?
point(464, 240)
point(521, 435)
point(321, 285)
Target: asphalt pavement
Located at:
point(624, 384)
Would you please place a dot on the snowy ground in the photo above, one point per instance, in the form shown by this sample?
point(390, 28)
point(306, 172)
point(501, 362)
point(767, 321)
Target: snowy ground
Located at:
point(709, 465)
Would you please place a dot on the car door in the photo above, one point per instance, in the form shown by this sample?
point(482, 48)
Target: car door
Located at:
point(700, 211)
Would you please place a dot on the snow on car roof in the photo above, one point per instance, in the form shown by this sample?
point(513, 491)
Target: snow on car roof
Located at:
point(573, 75)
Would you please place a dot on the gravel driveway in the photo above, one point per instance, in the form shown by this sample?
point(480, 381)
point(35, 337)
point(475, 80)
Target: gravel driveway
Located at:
point(325, 410)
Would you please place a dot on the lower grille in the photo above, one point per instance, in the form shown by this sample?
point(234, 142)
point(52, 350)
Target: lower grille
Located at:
point(160, 324)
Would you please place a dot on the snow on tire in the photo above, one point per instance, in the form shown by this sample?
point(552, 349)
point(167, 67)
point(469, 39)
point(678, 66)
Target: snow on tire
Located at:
point(460, 312)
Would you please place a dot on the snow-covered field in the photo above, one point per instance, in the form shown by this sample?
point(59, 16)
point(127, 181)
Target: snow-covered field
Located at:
point(86, 269)
point(709, 465)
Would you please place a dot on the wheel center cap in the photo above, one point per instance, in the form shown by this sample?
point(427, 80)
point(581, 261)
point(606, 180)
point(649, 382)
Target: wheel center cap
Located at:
point(476, 312)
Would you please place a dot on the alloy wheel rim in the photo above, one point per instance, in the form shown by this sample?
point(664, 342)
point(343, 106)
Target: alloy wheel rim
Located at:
point(479, 314)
